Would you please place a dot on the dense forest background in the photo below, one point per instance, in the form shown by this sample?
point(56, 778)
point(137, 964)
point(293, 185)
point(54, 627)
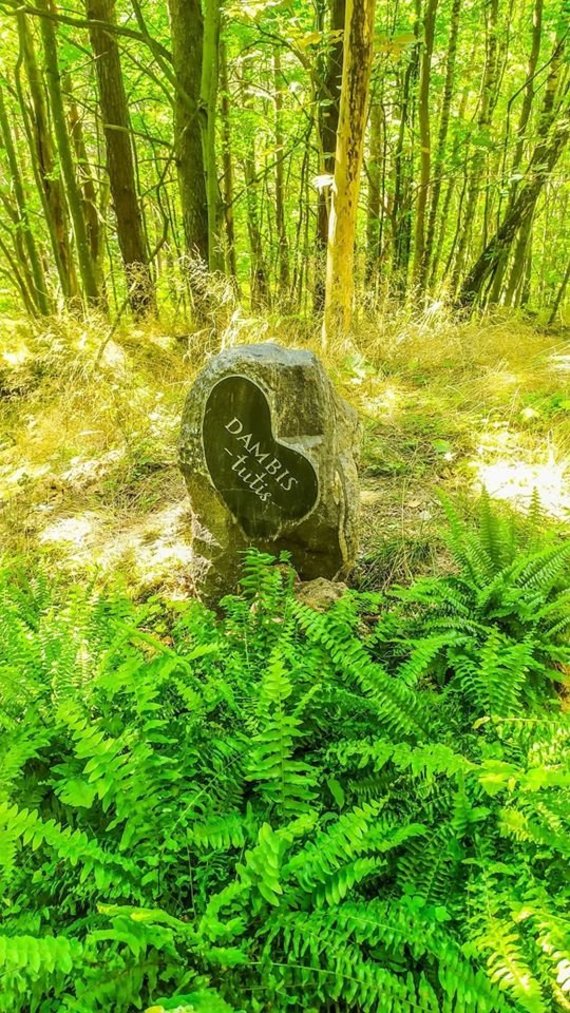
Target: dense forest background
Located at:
point(145, 145)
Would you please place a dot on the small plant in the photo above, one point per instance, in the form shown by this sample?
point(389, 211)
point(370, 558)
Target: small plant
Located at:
point(289, 810)
point(497, 629)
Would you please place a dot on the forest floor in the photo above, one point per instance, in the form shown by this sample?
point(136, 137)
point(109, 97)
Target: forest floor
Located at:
point(89, 481)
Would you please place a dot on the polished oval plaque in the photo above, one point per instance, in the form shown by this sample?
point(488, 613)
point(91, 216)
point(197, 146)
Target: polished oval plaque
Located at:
point(264, 483)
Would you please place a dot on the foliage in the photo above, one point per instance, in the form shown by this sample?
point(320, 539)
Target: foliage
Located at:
point(488, 88)
point(363, 809)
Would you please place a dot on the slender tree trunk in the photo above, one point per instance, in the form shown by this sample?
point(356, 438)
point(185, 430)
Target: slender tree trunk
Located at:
point(49, 183)
point(227, 161)
point(207, 121)
point(187, 29)
point(17, 272)
point(559, 295)
point(120, 158)
point(450, 190)
point(282, 243)
point(403, 162)
point(357, 65)
point(300, 270)
point(441, 140)
point(53, 79)
point(328, 104)
point(545, 156)
point(39, 292)
point(373, 211)
point(529, 91)
point(259, 283)
point(260, 293)
point(87, 182)
point(227, 165)
point(517, 274)
point(487, 104)
point(547, 115)
point(425, 143)
point(525, 112)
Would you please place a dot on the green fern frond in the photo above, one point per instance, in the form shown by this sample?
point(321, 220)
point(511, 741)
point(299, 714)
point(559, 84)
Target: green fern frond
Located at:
point(396, 707)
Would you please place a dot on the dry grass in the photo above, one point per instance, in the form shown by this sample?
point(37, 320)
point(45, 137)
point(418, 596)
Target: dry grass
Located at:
point(89, 426)
point(456, 407)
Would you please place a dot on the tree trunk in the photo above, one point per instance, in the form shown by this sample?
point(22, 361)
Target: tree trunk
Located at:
point(259, 283)
point(187, 29)
point(547, 115)
point(374, 210)
point(17, 272)
point(282, 244)
point(227, 163)
point(402, 207)
point(38, 290)
point(517, 273)
point(529, 90)
point(425, 144)
point(487, 104)
point(357, 65)
point(207, 122)
point(53, 79)
point(559, 295)
point(441, 229)
point(120, 158)
point(544, 159)
point(87, 182)
point(441, 140)
point(328, 104)
point(547, 148)
point(49, 183)
point(526, 108)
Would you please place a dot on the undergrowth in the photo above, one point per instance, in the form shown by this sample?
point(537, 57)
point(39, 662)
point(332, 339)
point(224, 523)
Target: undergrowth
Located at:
point(280, 809)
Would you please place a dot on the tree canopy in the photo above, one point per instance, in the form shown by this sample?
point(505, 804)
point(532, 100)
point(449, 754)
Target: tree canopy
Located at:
point(143, 143)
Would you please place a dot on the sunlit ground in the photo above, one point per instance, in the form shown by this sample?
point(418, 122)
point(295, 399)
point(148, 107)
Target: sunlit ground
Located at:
point(515, 476)
point(88, 453)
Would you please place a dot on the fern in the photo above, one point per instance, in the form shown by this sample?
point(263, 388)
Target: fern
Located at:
point(277, 809)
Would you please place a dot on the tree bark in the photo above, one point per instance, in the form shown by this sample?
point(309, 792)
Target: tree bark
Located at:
point(87, 183)
point(227, 162)
point(357, 66)
point(259, 282)
point(120, 158)
point(187, 29)
point(544, 158)
point(559, 295)
point(374, 208)
point(525, 112)
point(328, 105)
point(487, 104)
point(207, 122)
point(282, 243)
point(49, 183)
point(53, 80)
point(425, 143)
point(38, 289)
point(18, 273)
point(403, 162)
point(441, 140)
point(545, 155)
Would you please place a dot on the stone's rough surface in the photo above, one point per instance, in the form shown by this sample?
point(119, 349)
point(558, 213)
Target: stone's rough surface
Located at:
point(320, 594)
point(264, 483)
point(269, 452)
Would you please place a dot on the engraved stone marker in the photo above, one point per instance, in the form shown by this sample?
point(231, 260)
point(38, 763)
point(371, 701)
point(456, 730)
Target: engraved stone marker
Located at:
point(263, 483)
point(269, 453)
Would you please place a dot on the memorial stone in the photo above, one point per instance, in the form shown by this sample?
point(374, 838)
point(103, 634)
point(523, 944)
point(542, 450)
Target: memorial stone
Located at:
point(269, 453)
